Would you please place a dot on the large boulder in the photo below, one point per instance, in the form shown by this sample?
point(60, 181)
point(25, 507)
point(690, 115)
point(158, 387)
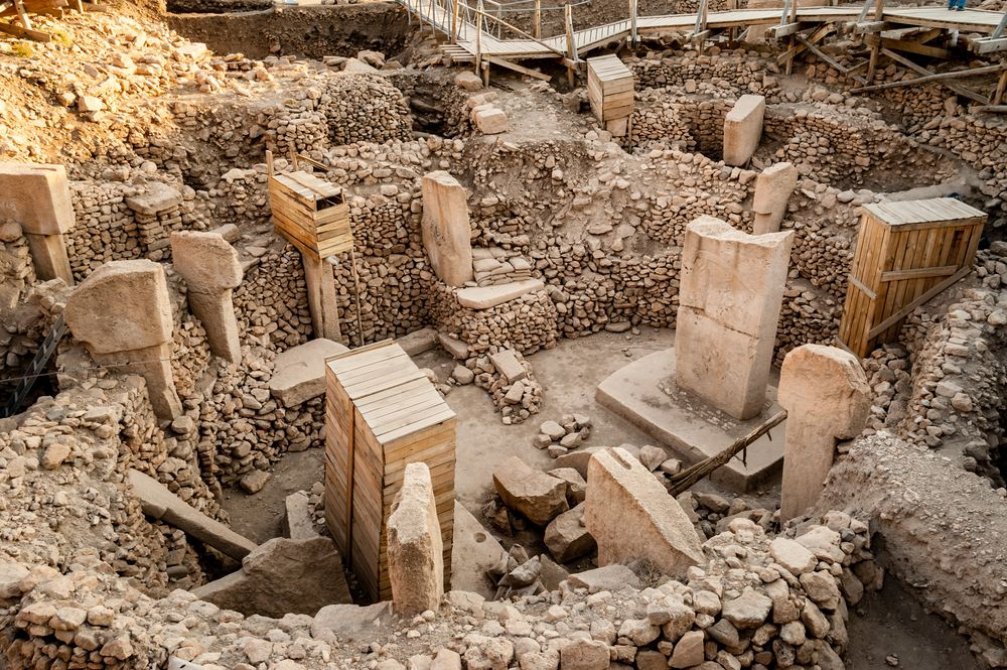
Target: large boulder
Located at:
point(533, 493)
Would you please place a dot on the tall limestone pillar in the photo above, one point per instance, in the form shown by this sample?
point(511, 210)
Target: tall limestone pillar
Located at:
point(447, 234)
point(773, 187)
point(37, 197)
point(729, 303)
point(122, 314)
point(211, 271)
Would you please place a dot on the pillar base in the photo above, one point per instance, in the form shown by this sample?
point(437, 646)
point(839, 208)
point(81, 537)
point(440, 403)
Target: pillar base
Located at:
point(48, 254)
point(216, 312)
point(154, 365)
point(322, 298)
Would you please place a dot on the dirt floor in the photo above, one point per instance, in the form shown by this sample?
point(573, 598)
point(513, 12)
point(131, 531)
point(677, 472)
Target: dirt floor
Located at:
point(891, 624)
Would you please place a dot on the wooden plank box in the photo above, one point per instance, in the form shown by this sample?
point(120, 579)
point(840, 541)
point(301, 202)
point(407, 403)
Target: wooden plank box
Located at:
point(907, 252)
point(381, 413)
point(609, 88)
point(310, 214)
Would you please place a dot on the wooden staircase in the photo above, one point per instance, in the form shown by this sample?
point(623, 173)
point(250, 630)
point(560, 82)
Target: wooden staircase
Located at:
point(457, 54)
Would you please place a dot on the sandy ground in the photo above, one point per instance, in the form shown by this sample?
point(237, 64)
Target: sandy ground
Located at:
point(891, 623)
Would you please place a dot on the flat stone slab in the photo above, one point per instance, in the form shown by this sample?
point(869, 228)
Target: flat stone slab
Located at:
point(691, 428)
point(473, 552)
point(299, 372)
point(158, 502)
point(484, 297)
point(418, 341)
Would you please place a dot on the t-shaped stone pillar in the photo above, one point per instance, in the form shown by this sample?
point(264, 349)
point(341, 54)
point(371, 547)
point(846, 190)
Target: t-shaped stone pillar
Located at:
point(772, 192)
point(743, 129)
point(38, 197)
point(729, 303)
point(211, 271)
point(415, 547)
point(447, 236)
point(122, 313)
point(827, 397)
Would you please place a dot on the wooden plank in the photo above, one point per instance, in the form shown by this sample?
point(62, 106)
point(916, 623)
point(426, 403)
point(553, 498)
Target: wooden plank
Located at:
point(905, 311)
point(918, 273)
point(960, 90)
point(527, 71)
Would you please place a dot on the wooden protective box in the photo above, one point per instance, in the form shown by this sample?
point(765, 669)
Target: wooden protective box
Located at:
point(907, 252)
point(609, 88)
point(381, 413)
point(310, 213)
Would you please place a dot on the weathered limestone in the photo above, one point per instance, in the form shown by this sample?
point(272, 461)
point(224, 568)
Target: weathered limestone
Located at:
point(474, 552)
point(280, 576)
point(729, 304)
point(321, 289)
point(415, 548)
point(299, 372)
point(210, 267)
point(743, 129)
point(632, 517)
point(158, 502)
point(122, 313)
point(533, 493)
point(484, 297)
point(37, 197)
point(490, 119)
point(827, 397)
point(773, 187)
point(447, 235)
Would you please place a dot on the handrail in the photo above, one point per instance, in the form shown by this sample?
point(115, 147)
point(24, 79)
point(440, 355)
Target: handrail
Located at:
point(520, 32)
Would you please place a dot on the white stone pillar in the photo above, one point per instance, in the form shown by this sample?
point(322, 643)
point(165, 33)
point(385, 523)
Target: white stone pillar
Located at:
point(415, 547)
point(772, 193)
point(447, 234)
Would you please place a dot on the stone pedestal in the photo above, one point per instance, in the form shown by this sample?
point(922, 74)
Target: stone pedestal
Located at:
point(772, 192)
point(645, 393)
point(827, 397)
point(37, 197)
point(447, 234)
point(122, 314)
point(211, 271)
point(743, 129)
point(729, 304)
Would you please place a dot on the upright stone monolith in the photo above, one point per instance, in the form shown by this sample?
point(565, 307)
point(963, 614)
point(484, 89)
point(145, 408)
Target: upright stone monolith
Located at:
point(447, 235)
point(729, 303)
point(415, 549)
point(122, 314)
point(631, 516)
point(772, 193)
point(743, 129)
point(37, 197)
point(827, 397)
point(211, 271)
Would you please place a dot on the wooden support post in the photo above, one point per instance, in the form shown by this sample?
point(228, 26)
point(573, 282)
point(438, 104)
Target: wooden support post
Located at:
point(998, 95)
point(454, 21)
point(919, 69)
point(879, 14)
point(974, 72)
point(633, 36)
point(571, 45)
point(479, 38)
point(537, 20)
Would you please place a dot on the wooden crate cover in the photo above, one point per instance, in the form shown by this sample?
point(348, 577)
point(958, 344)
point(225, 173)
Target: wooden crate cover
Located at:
point(382, 412)
point(609, 87)
point(310, 213)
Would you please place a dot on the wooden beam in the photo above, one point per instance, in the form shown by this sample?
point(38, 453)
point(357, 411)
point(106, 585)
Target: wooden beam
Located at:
point(816, 36)
point(517, 68)
point(783, 30)
point(991, 109)
point(919, 69)
point(911, 46)
point(869, 27)
point(19, 31)
point(988, 45)
point(872, 66)
point(925, 297)
point(933, 77)
point(1001, 89)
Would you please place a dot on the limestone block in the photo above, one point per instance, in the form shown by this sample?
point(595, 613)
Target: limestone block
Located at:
point(157, 197)
point(447, 234)
point(48, 255)
point(216, 312)
point(731, 291)
point(468, 81)
point(474, 553)
point(632, 517)
point(321, 289)
point(743, 129)
point(484, 297)
point(206, 261)
point(357, 66)
point(415, 548)
point(490, 119)
point(283, 575)
point(827, 397)
point(773, 187)
point(533, 493)
point(37, 196)
point(121, 306)
point(299, 372)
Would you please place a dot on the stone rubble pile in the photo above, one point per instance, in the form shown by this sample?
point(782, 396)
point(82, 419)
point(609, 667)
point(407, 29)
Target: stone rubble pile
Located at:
point(494, 266)
point(559, 437)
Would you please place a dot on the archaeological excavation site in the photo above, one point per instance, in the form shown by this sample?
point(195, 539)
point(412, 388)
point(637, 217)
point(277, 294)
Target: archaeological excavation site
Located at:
point(503, 334)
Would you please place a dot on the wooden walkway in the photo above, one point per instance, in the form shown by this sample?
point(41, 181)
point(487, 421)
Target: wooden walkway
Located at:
point(449, 17)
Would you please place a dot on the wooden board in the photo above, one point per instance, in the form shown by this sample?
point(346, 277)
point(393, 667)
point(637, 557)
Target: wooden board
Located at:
point(907, 252)
point(310, 213)
point(382, 413)
point(610, 88)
